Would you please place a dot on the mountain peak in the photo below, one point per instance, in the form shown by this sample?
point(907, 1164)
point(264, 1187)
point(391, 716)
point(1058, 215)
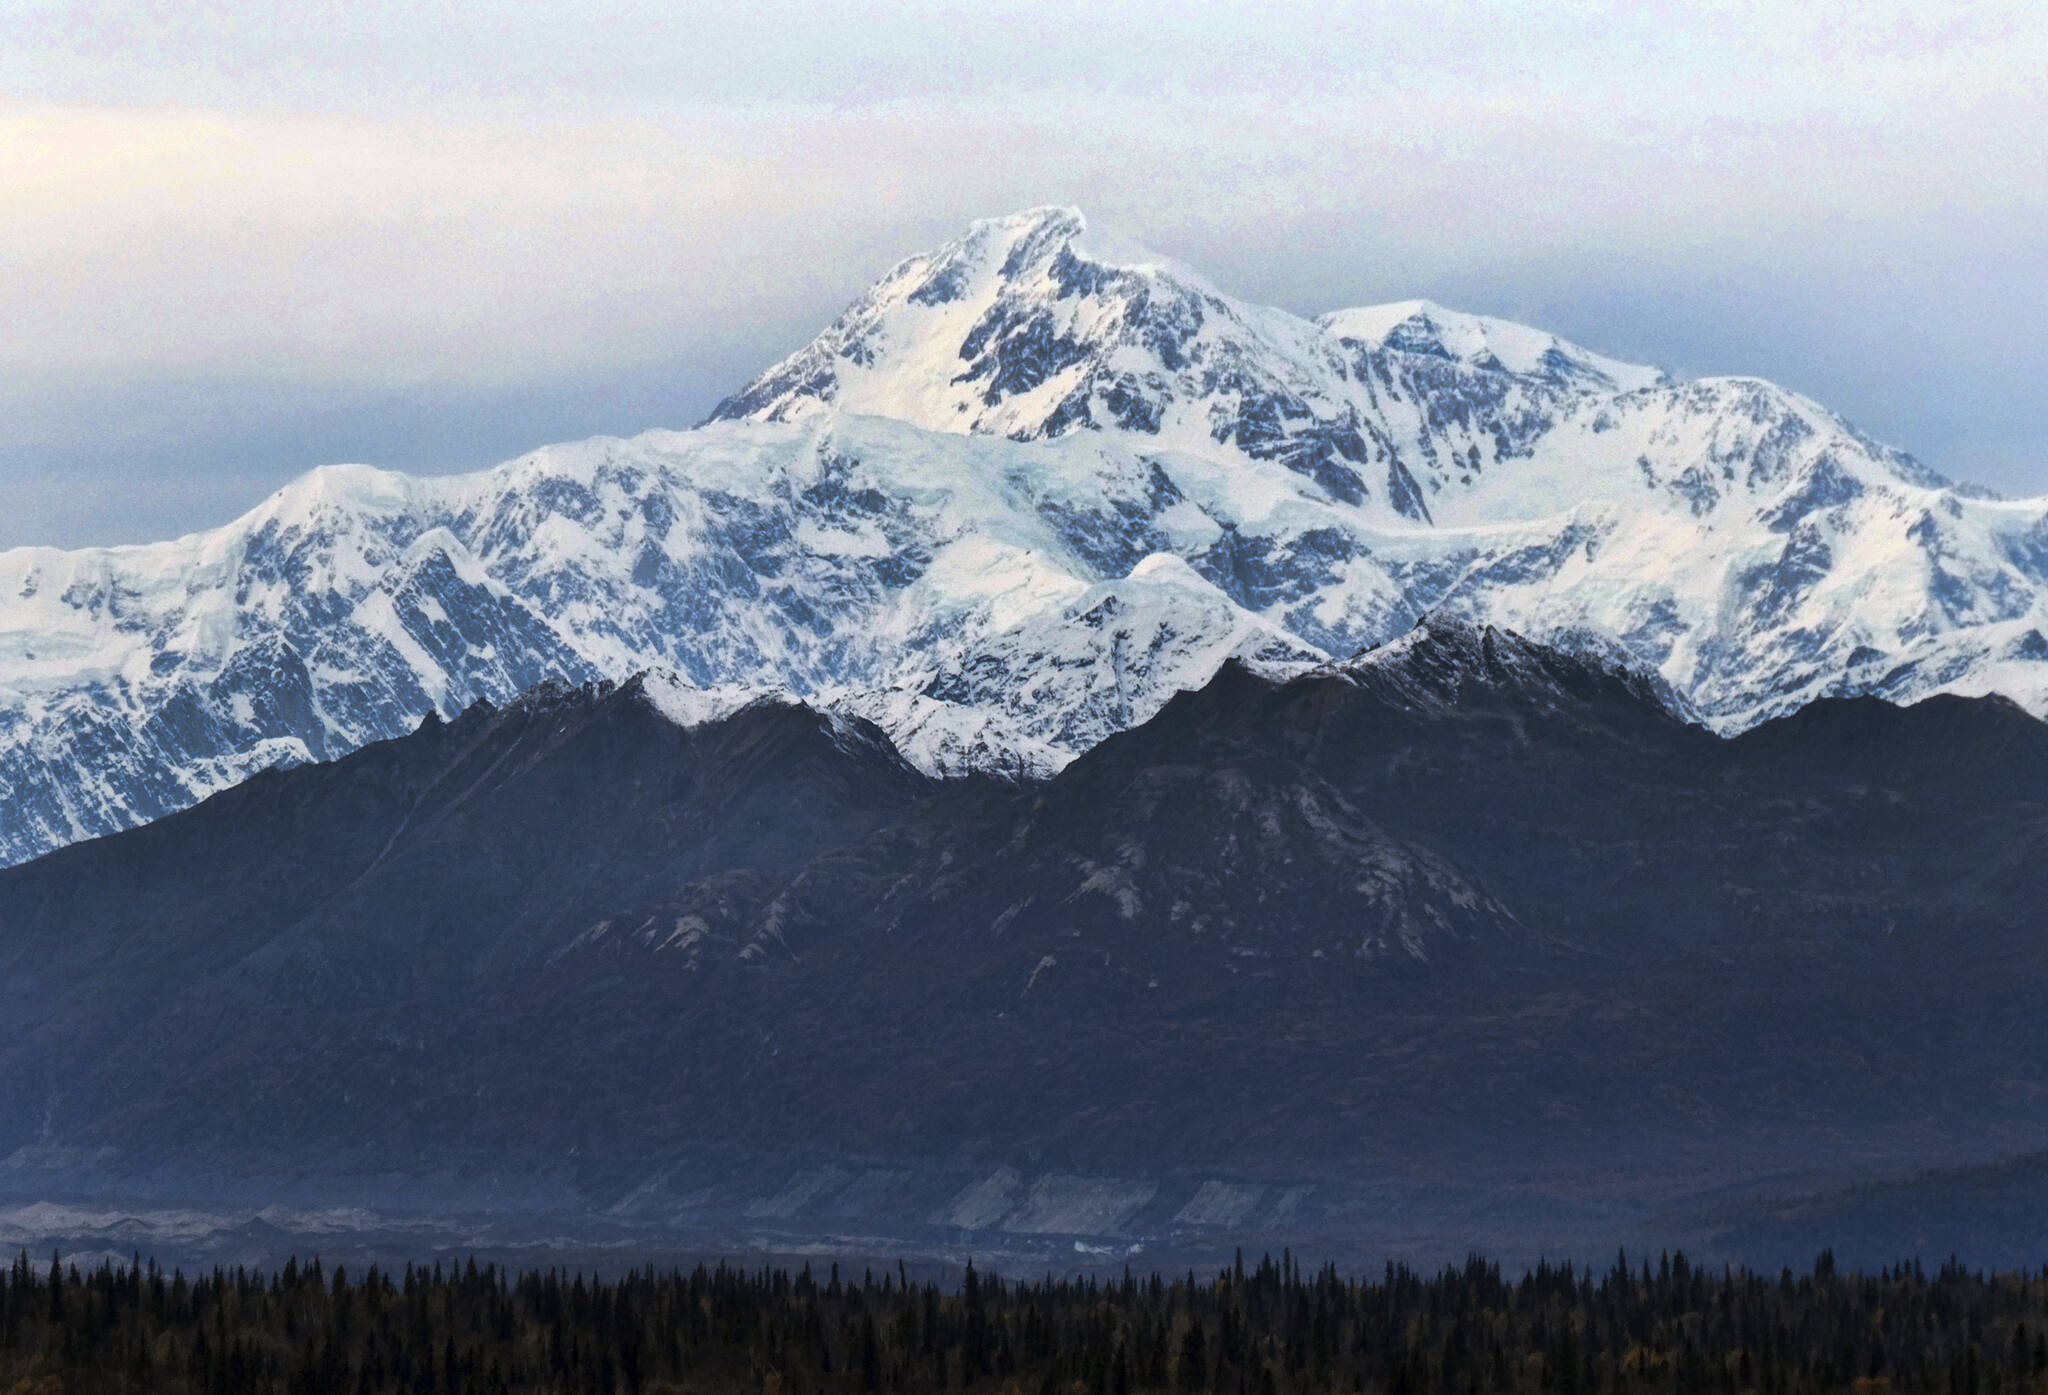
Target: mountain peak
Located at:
point(1024, 489)
point(1045, 216)
point(347, 487)
point(1035, 325)
point(1480, 341)
point(973, 336)
point(1035, 232)
point(1009, 249)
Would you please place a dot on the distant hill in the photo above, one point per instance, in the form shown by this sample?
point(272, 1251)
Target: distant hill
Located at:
point(1465, 938)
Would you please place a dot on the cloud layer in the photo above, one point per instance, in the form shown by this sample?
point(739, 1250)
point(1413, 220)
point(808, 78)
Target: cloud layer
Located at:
point(237, 241)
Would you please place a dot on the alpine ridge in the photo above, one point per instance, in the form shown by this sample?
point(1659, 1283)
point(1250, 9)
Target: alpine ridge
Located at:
point(1468, 915)
point(1018, 495)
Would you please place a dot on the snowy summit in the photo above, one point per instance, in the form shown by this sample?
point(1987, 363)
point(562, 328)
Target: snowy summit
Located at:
point(1019, 494)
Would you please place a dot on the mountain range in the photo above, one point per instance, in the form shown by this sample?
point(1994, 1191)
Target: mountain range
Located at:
point(1020, 494)
point(1066, 763)
point(1324, 956)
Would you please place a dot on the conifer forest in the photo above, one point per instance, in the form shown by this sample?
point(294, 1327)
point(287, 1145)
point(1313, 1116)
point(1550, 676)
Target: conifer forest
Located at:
point(1273, 1328)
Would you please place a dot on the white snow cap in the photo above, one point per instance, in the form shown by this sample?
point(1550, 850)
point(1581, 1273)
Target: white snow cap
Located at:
point(1026, 488)
point(1423, 326)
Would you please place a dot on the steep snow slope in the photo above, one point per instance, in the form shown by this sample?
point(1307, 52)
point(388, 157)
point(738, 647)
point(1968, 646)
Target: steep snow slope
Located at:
point(1009, 503)
point(1753, 547)
point(991, 603)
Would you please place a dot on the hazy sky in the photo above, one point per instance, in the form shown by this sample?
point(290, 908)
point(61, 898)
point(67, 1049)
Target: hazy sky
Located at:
point(240, 240)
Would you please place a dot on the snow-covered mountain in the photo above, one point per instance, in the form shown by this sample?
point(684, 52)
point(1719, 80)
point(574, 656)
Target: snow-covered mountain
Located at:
point(1009, 503)
point(1753, 547)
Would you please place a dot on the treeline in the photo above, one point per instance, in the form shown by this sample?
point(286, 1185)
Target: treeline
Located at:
point(1269, 1330)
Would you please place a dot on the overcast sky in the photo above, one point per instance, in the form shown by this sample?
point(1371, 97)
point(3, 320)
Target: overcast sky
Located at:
point(240, 240)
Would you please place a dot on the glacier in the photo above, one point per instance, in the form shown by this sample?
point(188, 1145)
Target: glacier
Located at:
point(1018, 495)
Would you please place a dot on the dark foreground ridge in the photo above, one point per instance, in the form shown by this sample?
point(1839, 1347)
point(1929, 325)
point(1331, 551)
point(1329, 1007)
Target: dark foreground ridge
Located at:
point(1271, 1330)
point(1465, 942)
